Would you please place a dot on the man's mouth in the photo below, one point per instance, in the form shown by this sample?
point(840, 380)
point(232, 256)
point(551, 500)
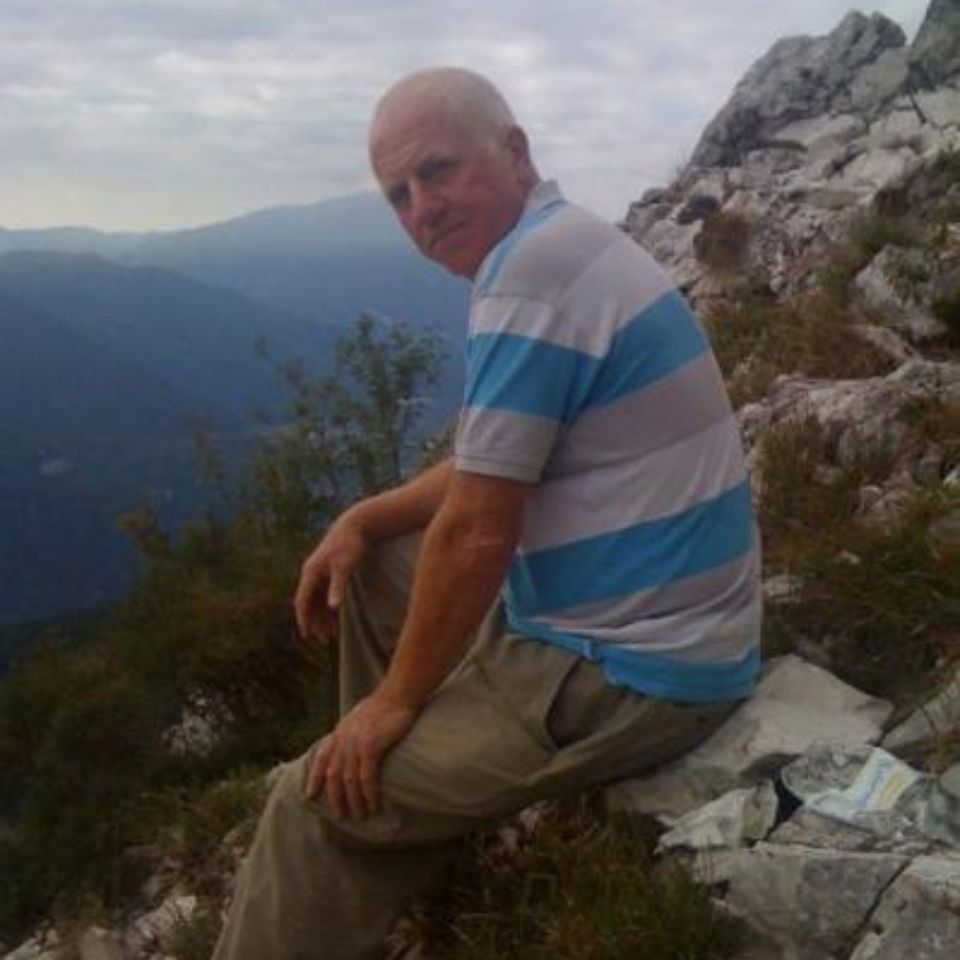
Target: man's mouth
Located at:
point(443, 235)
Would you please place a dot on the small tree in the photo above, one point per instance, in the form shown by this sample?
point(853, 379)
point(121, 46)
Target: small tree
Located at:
point(353, 431)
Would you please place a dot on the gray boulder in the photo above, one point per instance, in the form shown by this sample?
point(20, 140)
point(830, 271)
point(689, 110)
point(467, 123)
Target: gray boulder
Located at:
point(918, 916)
point(934, 55)
point(801, 77)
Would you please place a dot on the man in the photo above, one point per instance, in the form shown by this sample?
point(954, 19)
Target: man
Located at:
point(597, 482)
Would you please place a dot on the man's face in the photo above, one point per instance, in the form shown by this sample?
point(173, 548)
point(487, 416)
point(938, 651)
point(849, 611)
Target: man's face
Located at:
point(455, 194)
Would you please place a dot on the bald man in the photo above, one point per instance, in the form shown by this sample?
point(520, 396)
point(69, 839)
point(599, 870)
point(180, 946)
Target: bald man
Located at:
point(570, 599)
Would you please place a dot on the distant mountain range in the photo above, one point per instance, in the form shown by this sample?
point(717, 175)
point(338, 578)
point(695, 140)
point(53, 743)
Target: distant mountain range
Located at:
point(115, 344)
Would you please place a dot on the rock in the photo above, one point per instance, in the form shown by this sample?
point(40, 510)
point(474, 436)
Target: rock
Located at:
point(795, 705)
point(727, 822)
point(884, 510)
point(935, 52)
point(812, 903)
point(943, 534)
point(201, 727)
point(893, 285)
point(97, 943)
point(155, 930)
point(783, 588)
point(699, 206)
point(799, 77)
point(950, 781)
point(853, 415)
point(806, 828)
point(939, 717)
point(918, 916)
point(885, 340)
point(43, 945)
point(871, 790)
point(928, 469)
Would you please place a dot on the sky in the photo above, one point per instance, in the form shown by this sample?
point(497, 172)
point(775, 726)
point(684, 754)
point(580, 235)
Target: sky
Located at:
point(162, 114)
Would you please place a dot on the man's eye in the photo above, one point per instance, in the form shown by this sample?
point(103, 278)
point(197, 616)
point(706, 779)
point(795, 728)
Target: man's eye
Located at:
point(438, 170)
point(398, 197)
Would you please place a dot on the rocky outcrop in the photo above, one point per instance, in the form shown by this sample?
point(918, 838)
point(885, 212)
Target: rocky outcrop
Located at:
point(830, 847)
point(817, 131)
point(858, 68)
point(935, 53)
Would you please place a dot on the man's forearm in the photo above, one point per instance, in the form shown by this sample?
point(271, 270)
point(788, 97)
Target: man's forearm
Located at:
point(461, 568)
point(403, 509)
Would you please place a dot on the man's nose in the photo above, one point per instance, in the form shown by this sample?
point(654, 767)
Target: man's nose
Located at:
point(426, 203)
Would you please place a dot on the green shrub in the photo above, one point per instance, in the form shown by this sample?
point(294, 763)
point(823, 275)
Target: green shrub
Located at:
point(89, 780)
point(884, 603)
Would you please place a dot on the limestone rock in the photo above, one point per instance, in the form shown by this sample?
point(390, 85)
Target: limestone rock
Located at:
point(895, 284)
point(935, 52)
point(798, 77)
point(727, 822)
point(43, 945)
point(795, 705)
point(853, 414)
point(918, 916)
point(938, 717)
point(812, 903)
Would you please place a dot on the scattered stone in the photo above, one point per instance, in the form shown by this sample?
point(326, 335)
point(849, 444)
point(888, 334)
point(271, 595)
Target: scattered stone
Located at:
point(939, 717)
point(727, 822)
point(783, 588)
point(156, 928)
point(98, 943)
point(201, 727)
point(43, 945)
point(884, 510)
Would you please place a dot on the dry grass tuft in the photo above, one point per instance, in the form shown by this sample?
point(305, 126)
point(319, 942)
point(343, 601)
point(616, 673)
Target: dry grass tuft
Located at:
point(583, 888)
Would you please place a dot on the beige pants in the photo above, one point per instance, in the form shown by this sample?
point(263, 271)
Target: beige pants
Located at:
point(516, 722)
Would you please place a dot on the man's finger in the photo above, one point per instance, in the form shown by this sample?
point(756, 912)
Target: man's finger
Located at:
point(353, 791)
point(370, 783)
point(335, 591)
point(318, 769)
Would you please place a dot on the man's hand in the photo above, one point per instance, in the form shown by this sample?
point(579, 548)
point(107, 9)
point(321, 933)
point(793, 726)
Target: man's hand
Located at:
point(323, 579)
point(345, 767)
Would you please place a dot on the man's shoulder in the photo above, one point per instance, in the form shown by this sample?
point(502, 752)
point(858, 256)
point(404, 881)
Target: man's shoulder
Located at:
point(545, 258)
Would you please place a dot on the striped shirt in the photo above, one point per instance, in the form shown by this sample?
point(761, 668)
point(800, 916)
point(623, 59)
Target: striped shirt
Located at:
point(589, 376)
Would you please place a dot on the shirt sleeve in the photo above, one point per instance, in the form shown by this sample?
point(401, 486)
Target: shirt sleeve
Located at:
point(520, 391)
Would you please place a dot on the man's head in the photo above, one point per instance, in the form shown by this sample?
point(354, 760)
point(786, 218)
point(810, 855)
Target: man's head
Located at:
point(452, 163)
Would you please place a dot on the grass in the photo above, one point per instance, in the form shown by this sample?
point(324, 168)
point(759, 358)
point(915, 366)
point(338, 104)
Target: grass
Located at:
point(884, 602)
point(584, 887)
point(757, 340)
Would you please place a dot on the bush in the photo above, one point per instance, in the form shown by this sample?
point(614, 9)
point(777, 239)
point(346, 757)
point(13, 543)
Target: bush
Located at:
point(89, 779)
point(757, 340)
point(722, 243)
point(883, 603)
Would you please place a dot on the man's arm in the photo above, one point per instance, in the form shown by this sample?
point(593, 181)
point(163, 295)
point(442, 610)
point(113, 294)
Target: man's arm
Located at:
point(325, 572)
point(461, 568)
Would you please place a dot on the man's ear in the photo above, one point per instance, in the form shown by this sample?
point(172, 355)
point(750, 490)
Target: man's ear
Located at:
point(518, 145)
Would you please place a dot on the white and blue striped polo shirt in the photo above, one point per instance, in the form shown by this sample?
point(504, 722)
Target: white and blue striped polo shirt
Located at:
point(588, 375)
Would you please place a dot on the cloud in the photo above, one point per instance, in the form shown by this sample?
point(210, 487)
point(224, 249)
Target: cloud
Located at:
point(167, 112)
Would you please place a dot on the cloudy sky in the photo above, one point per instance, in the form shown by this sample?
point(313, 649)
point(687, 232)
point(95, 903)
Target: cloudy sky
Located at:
point(134, 114)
